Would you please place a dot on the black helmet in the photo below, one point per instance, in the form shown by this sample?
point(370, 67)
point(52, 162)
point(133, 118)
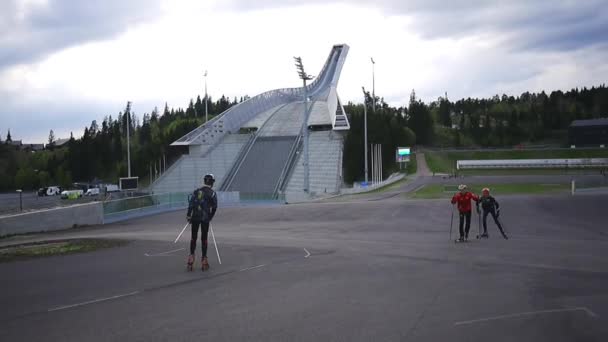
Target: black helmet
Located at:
point(209, 179)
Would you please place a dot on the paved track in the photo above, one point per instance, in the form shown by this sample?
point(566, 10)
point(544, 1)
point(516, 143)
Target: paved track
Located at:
point(364, 270)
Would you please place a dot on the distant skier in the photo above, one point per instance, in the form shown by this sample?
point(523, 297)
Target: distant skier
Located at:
point(201, 209)
point(490, 206)
point(463, 198)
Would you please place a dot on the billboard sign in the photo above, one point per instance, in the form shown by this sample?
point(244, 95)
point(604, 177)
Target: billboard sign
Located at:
point(128, 183)
point(403, 154)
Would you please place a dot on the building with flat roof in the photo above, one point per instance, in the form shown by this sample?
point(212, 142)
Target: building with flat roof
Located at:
point(593, 132)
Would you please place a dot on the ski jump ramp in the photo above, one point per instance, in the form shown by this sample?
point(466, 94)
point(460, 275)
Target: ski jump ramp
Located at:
point(255, 147)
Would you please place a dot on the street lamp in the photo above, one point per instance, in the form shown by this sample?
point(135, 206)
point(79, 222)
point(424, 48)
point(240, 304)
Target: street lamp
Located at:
point(365, 129)
point(304, 130)
point(128, 113)
point(373, 84)
point(206, 110)
point(20, 199)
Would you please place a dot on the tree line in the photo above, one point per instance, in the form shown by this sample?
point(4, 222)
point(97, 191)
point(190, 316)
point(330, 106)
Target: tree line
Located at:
point(498, 121)
point(492, 122)
point(100, 153)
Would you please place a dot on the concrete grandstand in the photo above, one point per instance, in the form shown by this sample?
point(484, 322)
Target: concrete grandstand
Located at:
point(255, 147)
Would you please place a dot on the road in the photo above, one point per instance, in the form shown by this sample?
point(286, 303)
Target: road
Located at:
point(380, 269)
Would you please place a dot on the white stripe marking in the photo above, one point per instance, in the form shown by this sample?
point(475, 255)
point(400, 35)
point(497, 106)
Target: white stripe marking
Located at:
point(251, 268)
point(92, 301)
point(164, 253)
point(307, 253)
point(530, 313)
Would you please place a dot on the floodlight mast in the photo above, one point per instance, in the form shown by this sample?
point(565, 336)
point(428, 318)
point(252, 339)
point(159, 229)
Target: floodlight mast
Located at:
point(304, 130)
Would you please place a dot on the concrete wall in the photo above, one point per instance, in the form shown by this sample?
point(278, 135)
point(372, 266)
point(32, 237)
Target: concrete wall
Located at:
point(52, 219)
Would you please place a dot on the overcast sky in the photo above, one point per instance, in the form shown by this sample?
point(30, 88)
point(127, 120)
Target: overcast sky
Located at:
point(64, 63)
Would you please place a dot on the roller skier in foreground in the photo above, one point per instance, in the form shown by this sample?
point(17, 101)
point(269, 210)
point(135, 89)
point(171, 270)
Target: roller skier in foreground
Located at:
point(490, 206)
point(202, 206)
point(463, 198)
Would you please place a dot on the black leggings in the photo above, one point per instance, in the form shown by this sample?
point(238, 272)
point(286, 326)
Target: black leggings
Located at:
point(485, 217)
point(204, 231)
point(464, 215)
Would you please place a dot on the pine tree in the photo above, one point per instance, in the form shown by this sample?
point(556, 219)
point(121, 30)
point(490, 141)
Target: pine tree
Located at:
point(9, 139)
point(51, 138)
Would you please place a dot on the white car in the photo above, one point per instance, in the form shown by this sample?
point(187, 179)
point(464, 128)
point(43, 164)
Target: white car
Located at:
point(53, 191)
point(92, 192)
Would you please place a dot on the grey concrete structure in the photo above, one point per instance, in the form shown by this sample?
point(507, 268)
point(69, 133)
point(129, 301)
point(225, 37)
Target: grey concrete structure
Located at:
point(277, 115)
point(52, 219)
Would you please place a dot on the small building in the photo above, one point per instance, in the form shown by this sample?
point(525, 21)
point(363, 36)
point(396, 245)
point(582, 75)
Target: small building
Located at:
point(60, 142)
point(32, 147)
point(592, 132)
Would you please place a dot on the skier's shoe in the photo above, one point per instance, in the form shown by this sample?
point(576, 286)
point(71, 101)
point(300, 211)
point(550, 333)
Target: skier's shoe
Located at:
point(190, 262)
point(485, 235)
point(204, 264)
point(460, 239)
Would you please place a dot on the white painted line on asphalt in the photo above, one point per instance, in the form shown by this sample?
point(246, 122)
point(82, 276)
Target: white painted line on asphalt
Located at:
point(251, 268)
point(307, 253)
point(92, 301)
point(164, 253)
point(418, 188)
point(529, 313)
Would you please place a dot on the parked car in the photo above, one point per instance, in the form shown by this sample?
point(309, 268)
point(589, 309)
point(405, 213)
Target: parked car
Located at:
point(112, 188)
point(49, 191)
point(92, 192)
point(71, 194)
point(53, 191)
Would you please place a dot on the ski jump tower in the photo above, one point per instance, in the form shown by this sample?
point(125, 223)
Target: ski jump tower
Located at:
point(255, 147)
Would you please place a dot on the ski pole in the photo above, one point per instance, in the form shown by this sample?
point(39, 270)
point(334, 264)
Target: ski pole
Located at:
point(451, 222)
point(215, 244)
point(182, 232)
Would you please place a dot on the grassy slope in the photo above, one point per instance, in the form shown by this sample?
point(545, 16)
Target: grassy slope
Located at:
point(445, 162)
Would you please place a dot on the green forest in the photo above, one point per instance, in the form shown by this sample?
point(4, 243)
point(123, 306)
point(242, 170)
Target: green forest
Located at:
point(100, 153)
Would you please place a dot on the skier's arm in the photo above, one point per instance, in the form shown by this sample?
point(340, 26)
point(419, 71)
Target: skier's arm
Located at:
point(495, 203)
point(190, 206)
point(213, 205)
point(454, 199)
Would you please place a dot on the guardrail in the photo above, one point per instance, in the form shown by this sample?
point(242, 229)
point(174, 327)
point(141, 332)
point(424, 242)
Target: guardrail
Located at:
point(133, 207)
point(532, 163)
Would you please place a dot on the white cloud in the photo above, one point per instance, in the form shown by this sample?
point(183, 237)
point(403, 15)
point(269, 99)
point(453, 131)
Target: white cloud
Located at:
point(248, 52)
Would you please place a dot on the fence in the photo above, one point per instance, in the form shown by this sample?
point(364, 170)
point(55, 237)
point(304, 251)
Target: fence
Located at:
point(532, 163)
point(133, 207)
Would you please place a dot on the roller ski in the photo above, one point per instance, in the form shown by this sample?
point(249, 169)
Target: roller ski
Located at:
point(190, 262)
point(204, 264)
point(461, 240)
point(483, 236)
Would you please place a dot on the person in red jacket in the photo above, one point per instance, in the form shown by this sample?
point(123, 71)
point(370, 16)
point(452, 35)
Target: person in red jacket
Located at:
point(463, 198)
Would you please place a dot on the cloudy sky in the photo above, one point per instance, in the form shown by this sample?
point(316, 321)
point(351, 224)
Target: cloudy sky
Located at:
point(64, 63)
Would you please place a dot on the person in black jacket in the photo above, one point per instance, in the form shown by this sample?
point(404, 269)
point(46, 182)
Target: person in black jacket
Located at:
point(202, 206)
point(490, 206)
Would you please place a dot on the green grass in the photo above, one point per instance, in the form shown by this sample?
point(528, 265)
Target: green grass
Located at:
point(445, 162)
point(45, 249)
point(447, 191)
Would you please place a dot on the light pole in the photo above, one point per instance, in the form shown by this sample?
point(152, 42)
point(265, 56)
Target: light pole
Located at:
point(304, 130)
point(373, 85)
point(206, 110)
point(365, 130)
point(128, 113)
point(20, 199)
